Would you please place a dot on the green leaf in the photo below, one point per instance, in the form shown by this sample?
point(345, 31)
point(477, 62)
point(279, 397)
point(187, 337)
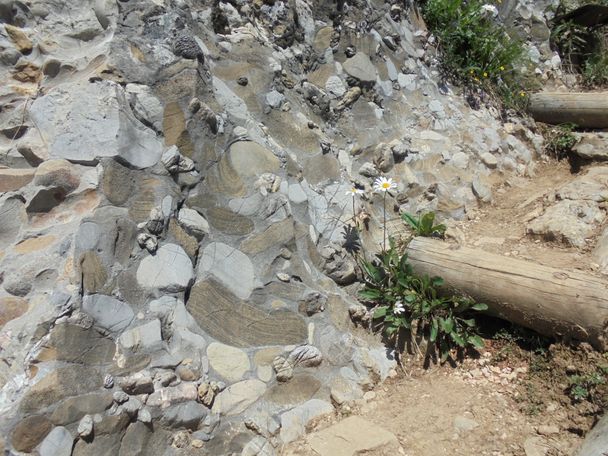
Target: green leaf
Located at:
point(480, 306)
point(444, 349)
point(426, 224)
point(447, 324)
point(371, 271)
point(437, 281)
point(434, 330)
point(370, 294)
point(410, 220)
point(439, 229)
point(410, 298)
point(476, 341)
point(458, 339)
point(380, 311)
point(470, 323)
point(403, 263)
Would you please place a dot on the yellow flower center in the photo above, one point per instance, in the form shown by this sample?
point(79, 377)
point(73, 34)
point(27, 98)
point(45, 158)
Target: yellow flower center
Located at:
point(386, 185)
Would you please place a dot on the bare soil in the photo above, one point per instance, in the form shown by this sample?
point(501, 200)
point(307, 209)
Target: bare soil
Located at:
point(510, 401)
point(500, 227)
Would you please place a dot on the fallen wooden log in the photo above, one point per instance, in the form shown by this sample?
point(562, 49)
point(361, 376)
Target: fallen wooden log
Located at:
point(553, 302)
point(587, 110)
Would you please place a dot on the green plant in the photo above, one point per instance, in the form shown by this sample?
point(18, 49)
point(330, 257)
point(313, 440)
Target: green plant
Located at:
point(424, 224)
point(406, 303)
point(560, 140)
point(583, 387)
point(478, 51)
point(595, 72)
point(583, 49)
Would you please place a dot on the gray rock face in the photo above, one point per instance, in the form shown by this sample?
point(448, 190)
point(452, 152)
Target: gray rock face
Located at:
point(193, 222)
point(59, 442)
point(187, 47)
point(170, 269)
point(144, 337)
point(293, 422)
point(139, 122)
point(232, 321)
point(596, 441)
point(230, 362)
point(238, 397)
point(231, 267)
point(107, 127)
point(185, 416)
point(592, 146)
point(108, 312)
point(13, 215)
point(360, 66)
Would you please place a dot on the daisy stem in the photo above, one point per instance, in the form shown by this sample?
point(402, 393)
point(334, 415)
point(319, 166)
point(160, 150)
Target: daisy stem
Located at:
point(354, 214)
point(384, 224)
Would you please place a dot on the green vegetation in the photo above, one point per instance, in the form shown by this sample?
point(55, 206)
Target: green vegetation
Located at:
point(559, 140)
point(477, 50)
point(407, 304)
point(423, 225)
point(583, 50)
point(585, 386)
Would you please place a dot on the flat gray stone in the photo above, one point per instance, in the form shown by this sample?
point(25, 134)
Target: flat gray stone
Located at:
point(75, 344)
point(567, 221)
point(297, 194)
point(360, 66)
point(170, 269)
point(13, 216)
point(186, 416)
point(335, 86)
point(353, 436)
point(193, 222)
point(464, 424)
point(596, 441)
point(481, 190)
point(230, 362)
point(59, 442)
point(144, 337)
point(489, 160)
point(108, 312)
point(249, 158)
point(592, 146)
point(229, 222)
point(274, 237)
point(238, 397)
point(294, 422)
point(297, 390)
point(231, 267)
point(106, 126)
point(235, 322)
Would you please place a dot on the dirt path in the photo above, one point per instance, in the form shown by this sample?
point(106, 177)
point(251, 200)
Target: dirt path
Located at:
point(500, 227)
point(511, 401)
point(500, 404)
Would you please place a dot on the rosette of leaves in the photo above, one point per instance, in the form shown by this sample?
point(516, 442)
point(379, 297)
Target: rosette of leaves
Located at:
point(406, 303)
point(424, 224)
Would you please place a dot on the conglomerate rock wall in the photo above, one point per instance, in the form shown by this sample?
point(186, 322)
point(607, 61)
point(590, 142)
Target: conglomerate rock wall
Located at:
point(172, 200)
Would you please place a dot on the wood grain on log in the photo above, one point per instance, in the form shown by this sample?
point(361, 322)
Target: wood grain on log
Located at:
point(588, 110)
point(553, 302)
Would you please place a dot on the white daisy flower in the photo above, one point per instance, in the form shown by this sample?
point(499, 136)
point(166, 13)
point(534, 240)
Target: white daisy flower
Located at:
point(398, 309)
point(354, 191)
point(490, 10)
point(382, 184)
